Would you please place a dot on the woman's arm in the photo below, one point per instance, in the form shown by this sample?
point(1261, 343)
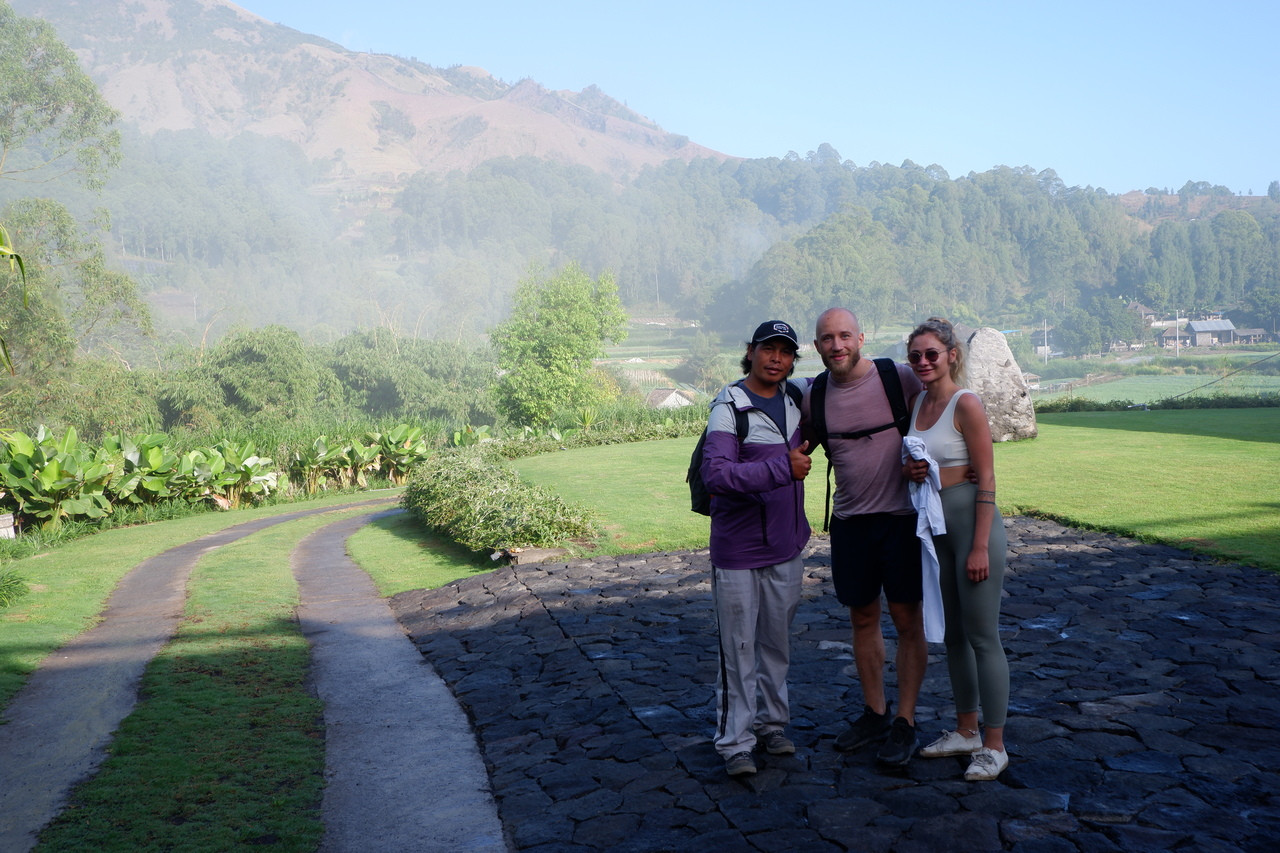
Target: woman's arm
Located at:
point(915, 470)
point(971, 420)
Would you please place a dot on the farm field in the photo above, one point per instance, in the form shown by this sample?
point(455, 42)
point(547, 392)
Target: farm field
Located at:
point(1149, 389)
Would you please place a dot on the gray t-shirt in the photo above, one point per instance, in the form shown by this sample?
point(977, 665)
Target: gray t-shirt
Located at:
point(868, 471)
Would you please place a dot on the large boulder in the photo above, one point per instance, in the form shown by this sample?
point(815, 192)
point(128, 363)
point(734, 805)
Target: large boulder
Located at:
point(992, 372)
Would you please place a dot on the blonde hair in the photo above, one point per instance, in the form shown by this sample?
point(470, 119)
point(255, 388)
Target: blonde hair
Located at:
point(946, 335)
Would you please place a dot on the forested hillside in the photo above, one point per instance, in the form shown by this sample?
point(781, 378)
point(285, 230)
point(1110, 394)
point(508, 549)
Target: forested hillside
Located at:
point(272, 177)
point(264, 177)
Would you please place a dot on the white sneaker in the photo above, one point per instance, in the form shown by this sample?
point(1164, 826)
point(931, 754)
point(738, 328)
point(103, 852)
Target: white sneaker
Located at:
point(987, 764)
point(951, 743)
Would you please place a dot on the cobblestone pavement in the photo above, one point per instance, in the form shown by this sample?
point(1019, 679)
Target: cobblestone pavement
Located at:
point(1145, 703)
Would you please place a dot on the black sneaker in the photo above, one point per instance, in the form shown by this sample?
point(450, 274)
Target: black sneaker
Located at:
point(866, 729)
point(899, 746)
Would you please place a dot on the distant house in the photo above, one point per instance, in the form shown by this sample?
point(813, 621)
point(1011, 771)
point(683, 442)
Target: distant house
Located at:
point(1032, 380)
point(1172, 337)
point(1148, 315)
point(1209, 333)
point(669, 398)
point(1251, 336)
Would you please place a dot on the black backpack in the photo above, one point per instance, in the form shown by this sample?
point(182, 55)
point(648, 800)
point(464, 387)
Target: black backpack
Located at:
point(892, 383)
point(699, 497)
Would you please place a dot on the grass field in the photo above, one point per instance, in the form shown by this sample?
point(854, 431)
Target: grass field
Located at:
point(1200, 479)
point(70, 584)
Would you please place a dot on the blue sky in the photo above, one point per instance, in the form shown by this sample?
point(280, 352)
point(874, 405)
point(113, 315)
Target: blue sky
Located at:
point(1119, 95)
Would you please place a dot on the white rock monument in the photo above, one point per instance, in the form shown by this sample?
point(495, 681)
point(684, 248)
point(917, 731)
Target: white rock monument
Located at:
point(992, 372)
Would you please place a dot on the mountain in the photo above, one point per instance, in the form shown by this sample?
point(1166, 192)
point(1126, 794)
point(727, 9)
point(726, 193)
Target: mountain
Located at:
point(210, 65)
point(271, 177)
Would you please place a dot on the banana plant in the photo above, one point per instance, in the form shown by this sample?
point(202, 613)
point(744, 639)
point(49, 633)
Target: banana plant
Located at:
point(470, 435)
point(52, 479)
point(399, 449)
point(358, 458)
point(143, 468)
point(239, 472)
point(311, 466)
point(193, 478)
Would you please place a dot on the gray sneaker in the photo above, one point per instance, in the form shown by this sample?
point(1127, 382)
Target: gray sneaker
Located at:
point(740, 764)
point(868, 728)
point(776, 743)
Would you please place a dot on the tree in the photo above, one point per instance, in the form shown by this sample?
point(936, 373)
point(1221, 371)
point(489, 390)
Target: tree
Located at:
point(1115, 321)
point(706, 367)
point(53, 122)
point(395, 377)
point(558, 326)
point(259, 378)
point(52, 118)
point(1273, 190)
point(9, 254)
point(1079, 333)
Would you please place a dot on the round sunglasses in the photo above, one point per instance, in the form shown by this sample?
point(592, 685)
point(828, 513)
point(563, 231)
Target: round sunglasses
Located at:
point(930, 355)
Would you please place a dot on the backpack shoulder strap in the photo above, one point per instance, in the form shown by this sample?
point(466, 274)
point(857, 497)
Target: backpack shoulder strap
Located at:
point(740, 419)
point(817, 407)
point(794, 392)
point(893, 390)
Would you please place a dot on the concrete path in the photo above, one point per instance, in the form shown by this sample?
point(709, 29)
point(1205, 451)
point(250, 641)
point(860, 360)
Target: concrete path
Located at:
point(1144, 717)
point(402, 770)
point(58, 727)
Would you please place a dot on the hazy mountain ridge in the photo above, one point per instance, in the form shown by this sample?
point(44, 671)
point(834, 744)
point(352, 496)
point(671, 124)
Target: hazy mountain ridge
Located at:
point(274, 177)
point(213, 66)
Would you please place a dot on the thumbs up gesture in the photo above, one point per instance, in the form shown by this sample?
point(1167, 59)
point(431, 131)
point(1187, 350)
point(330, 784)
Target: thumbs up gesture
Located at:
point(800, 462)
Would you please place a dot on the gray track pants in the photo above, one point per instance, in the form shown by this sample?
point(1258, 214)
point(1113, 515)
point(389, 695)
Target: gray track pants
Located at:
point(754, 608)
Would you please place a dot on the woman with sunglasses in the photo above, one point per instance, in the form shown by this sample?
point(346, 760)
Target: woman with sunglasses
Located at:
point(971, 554)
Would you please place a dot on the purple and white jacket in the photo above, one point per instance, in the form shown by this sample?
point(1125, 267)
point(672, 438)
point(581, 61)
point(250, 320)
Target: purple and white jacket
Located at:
point(757, 508)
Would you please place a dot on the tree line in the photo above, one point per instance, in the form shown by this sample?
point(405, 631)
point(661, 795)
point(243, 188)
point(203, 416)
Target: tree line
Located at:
point(159, 290)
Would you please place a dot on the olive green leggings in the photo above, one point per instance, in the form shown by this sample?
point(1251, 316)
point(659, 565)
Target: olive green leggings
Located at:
point(975, 655)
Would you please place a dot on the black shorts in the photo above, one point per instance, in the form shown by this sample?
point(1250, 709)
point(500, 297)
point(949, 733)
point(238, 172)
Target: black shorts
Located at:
point(874, 552)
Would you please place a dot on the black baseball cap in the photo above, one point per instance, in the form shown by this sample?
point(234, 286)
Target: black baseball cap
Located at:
point(774, 329)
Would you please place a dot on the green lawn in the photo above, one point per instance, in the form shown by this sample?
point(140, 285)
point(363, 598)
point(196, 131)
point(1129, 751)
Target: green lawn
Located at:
point(225, 749)
point(1201, 479)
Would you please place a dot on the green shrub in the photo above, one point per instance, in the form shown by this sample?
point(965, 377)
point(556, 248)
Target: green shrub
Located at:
point(472, 497)
point(1210, 401)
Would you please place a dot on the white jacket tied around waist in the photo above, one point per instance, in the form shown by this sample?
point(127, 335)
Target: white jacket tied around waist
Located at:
point(926, 499)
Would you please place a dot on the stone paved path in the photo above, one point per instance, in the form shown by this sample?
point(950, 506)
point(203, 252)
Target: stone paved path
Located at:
point(1146, 698)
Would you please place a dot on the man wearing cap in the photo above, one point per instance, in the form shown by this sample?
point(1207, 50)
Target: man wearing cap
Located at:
point(758, 532)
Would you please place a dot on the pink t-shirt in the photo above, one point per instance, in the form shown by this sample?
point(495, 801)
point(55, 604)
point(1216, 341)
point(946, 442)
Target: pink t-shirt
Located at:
point(868, 471)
